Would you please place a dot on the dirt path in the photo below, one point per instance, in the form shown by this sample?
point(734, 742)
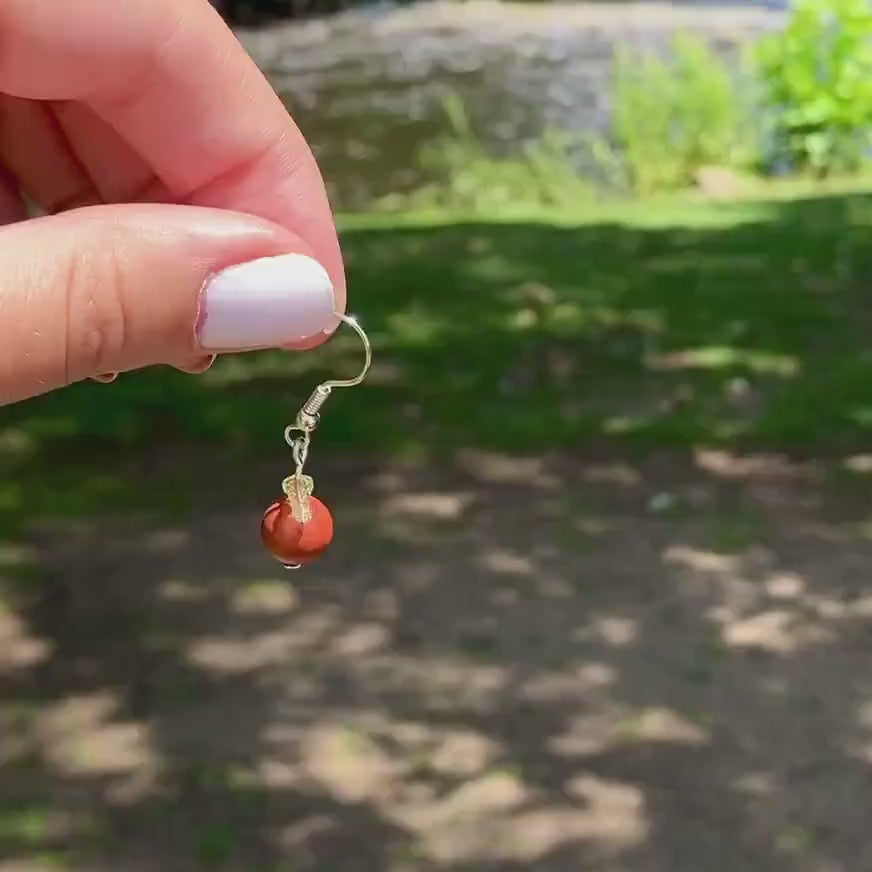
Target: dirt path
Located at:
point(538, 665)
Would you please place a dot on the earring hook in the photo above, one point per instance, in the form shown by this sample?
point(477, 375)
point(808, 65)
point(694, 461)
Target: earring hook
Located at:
point(309, 415)
point(351, 321)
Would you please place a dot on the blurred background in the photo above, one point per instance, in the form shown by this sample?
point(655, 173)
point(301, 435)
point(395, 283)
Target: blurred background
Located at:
point(599, 594)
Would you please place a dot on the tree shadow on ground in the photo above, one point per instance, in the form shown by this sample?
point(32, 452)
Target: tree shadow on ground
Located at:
point(551, 658)
point(502, 665)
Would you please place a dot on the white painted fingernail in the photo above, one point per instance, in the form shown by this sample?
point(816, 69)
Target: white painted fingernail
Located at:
point(265, 303)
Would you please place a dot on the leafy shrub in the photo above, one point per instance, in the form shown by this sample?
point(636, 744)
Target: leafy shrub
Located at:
point(671, 117)
point(817, 80)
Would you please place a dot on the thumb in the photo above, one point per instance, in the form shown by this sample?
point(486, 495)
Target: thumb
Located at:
point(114, 288)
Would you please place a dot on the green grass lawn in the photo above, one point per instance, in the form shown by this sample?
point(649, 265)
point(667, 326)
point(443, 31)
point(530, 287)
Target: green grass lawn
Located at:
point(661, 324)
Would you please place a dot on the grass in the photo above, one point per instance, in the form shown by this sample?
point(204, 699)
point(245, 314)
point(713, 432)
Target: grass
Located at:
point(661, 324)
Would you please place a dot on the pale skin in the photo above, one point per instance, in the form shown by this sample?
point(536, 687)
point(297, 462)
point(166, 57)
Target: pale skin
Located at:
point(161, 155)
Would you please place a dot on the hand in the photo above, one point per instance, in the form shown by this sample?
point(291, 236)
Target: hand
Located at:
point(185, 214)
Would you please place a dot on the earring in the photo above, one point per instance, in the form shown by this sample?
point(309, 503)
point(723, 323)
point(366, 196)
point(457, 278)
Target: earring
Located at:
point(299, 528)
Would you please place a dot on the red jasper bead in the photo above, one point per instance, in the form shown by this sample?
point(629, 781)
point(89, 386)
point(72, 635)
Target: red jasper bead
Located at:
point(292, 542)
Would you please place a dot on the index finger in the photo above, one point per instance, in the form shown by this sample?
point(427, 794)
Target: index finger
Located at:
point(171, 78)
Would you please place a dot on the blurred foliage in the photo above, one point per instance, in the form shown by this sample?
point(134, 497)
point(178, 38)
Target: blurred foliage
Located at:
point(466, 176)
point(817, 77)
point(799, 100)
point(675, 115)
point(671, 117)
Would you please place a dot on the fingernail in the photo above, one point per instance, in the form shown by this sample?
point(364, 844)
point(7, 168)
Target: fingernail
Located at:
point(105, 378)
point(196, 365)
point(265, 303)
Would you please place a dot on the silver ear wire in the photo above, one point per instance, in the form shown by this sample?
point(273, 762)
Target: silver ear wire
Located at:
point(309, 415)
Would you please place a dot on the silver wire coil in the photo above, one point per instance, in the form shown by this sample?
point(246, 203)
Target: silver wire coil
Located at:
point(319, 396)
point(308, 416)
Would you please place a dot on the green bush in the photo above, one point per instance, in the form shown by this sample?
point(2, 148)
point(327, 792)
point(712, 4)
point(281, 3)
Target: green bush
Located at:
point(799, 100)
point(817, 79)
point(671, 117)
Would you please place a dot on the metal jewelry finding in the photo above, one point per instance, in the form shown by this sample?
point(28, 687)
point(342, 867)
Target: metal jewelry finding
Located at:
point(308, 417)
point(299, 528)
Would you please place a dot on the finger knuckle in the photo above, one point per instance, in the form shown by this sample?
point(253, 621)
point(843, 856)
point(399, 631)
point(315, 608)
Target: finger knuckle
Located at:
point(96, 316)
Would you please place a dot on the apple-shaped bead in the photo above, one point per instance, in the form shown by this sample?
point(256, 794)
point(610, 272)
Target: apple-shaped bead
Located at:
point(291, 541)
